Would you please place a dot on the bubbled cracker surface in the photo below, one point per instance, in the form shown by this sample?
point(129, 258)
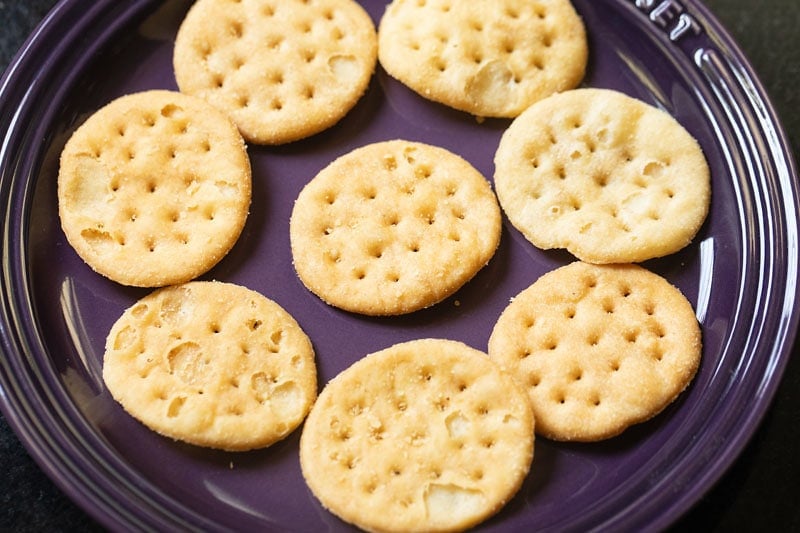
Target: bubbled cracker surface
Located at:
point(282, 69)
point(393, 227)
point(598, 347)
point(154, 188)
point(487, 57)
point(213, 364)
point(426, 435)
point(607, 177)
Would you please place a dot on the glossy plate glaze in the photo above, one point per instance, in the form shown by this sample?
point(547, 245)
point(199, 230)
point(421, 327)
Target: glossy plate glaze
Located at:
point(740, 274)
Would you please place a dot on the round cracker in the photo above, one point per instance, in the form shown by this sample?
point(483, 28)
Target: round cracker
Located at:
point(486, 57)
point(282, 69)
point(154, 188)
point(212, 364)
point(393, 227)
point(427, 435)
point(598, 347)
point(608, 177)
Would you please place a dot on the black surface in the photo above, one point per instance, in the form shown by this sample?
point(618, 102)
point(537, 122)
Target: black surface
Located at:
point(757, 494)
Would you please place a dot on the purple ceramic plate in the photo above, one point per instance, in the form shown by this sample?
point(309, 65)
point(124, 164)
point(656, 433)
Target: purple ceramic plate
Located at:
point(740, 274)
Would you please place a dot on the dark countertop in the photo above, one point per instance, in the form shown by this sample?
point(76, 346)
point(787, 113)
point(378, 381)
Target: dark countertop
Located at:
point(756, 494)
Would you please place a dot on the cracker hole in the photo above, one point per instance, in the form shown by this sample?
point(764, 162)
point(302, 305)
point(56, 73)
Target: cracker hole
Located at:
point(236, 29)
point(524, 353)
point(423, 172)
point(389, 163)
point(534, 380)
point(631, 336)
point(540, 11)
point(175, 406)
point(614, 365)
point(274, 42)
point(309, 55)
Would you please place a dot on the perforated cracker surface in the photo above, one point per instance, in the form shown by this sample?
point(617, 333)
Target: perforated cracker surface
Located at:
point(426, 435)
point(213, 364)
point(282, 69)
point(490, 58)
point(393, 227)
point(606, 176)
point(154, 188)
point(598, 347)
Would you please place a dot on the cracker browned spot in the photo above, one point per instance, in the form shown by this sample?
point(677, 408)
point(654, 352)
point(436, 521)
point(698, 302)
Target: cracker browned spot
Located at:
point(598, 348)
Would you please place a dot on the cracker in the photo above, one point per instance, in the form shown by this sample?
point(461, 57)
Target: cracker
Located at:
point(427, 435)
point(393, 227)
point(486, 57)
point(282, 69)
point(598, 347)
point(212, 364)
point(154, 188)
point(608, 177)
